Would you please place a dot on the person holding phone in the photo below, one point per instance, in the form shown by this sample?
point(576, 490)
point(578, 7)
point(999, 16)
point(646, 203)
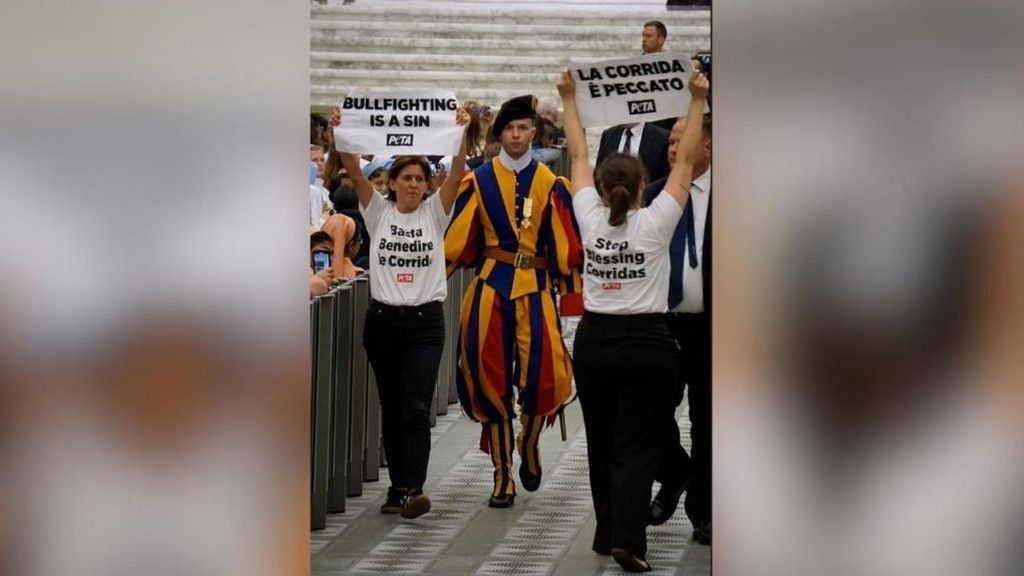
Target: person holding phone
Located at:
point(404, 330)
point(321, 260)
point(321, 274)
point(625, 357)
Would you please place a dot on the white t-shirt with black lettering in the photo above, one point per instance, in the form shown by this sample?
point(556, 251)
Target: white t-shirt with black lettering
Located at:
point(626, 268)
point(407, 265)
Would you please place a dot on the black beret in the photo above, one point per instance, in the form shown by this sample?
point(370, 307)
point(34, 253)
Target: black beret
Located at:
point(514, 109)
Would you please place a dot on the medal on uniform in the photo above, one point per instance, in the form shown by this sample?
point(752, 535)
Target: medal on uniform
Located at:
point(527, 211)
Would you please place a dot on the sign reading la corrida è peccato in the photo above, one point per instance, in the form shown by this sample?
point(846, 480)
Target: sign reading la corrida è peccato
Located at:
point(392, 122)
point(640, 89)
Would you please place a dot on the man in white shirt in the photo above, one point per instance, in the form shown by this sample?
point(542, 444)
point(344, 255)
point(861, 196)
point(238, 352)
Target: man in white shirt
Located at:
point(690, 322)
point(319, 198)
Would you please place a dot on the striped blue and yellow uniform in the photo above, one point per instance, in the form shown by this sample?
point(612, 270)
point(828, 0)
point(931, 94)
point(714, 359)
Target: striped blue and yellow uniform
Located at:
point(509, 333)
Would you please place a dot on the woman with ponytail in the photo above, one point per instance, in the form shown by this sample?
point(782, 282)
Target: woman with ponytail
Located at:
point(625, 357)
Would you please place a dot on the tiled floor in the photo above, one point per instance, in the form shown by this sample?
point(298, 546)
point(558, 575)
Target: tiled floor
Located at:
point(546, 533)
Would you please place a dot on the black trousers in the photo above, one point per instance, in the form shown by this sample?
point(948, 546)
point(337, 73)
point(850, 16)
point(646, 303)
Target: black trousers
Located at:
point(404, 347)
point(693, 332)
point(626, 368)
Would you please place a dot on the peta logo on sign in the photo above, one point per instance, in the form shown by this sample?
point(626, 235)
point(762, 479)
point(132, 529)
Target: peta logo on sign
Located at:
point(399, 140)
point(404, 278)
point(642, 107)
point(612, 285)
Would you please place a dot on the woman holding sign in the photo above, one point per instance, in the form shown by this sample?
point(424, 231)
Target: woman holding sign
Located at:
point(625, 357)
point(404, 332)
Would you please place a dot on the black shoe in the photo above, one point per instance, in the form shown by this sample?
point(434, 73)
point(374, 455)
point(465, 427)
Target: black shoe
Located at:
point(529, 481)
point(395, 502)
point(602, 550)
point(416, 504)
point(702, 532)
point(629, 562)
point(503, 501)
point(665, 503)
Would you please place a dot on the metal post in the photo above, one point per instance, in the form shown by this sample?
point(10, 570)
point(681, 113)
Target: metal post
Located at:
point(369, 443)
point(444, 369)
point(322, 409)
point(312, 418)
point(357, 406)
point(342, 398)
point(461, 278)
point(373, 432)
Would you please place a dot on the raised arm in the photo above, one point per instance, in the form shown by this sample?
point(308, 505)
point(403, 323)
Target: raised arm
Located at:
point(681, 176)
point(582, 173)
point(364, 189)
point(450, 187)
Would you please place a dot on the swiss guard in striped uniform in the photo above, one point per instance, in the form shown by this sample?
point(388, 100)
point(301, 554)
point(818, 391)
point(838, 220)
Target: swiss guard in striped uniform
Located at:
point(513, 224)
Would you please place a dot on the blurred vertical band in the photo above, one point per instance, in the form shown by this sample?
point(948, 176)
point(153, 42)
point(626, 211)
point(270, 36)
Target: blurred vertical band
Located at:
point(868, 323)
point(153, 314)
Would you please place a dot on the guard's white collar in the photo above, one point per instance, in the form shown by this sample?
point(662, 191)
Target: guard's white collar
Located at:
point(515, 165)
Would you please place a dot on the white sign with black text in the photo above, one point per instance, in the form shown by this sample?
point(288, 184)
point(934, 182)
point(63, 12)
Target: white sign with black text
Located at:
point(392, 122)
point(640, 89)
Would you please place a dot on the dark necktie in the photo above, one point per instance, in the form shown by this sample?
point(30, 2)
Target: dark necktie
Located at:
point(683, 240)
point(629, 143)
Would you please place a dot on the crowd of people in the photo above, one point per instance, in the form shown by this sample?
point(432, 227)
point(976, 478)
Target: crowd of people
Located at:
point(626, 246)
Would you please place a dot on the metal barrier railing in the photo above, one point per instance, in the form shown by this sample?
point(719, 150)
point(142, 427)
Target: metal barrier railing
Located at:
point(561, 166)
point(342, 387)
point(345, 446)
point(320, 443)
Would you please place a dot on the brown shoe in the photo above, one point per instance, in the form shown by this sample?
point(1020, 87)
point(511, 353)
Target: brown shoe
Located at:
point(629, 562)
point(416, 504)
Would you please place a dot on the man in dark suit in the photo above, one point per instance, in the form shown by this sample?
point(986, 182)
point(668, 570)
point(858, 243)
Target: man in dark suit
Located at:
point(644, 141)
point(690, 322)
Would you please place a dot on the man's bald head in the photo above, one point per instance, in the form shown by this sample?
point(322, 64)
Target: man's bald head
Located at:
point(704, 161)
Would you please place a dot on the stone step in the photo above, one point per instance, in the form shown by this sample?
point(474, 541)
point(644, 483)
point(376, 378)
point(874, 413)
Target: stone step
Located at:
point(332, 94)
point(453, 78)
point(596, 48)
point(490, 30)
point(464, 62)
point(616, 5)
point(528, 64)
point(554, 13)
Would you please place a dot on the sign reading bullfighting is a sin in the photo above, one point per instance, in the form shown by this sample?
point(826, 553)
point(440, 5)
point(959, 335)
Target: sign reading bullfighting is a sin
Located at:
point(392, 122)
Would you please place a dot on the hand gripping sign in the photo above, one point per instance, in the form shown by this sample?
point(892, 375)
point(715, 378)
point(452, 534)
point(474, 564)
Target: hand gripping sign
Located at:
point(648, 87)
point(392, 122)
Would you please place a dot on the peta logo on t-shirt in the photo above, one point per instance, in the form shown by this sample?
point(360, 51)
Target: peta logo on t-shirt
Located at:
point(404, 278)
point(612, 285)
point(399, 139)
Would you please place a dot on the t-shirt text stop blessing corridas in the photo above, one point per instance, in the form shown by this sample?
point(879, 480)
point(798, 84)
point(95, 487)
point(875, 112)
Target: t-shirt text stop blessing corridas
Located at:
point(406, 251)
point(626, 268)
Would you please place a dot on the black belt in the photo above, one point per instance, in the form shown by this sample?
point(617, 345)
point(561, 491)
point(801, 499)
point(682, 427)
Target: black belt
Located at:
point(623, 320)
point(694, 315)
point(406, 310)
